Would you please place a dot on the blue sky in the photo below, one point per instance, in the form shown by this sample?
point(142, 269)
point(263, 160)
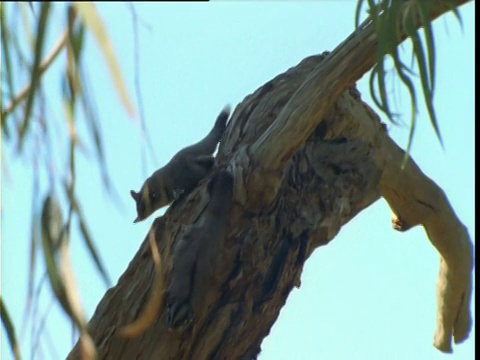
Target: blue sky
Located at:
point(369, 294)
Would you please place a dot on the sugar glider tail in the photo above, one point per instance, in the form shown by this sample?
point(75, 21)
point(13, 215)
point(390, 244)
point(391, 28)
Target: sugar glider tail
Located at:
point(207, 145)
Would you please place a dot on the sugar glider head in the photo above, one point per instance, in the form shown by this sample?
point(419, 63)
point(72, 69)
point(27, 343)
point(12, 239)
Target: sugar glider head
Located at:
point(151, 197)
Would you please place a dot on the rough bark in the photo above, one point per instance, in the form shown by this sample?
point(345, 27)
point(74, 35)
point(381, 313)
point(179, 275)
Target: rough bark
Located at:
point(306, 155)
point(346, 165)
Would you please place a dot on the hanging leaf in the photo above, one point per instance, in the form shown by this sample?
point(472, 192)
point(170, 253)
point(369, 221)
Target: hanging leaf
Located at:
point(35, 73)
point(89, 14)
point(7, 63)
point(10, 329)
point(88, 239)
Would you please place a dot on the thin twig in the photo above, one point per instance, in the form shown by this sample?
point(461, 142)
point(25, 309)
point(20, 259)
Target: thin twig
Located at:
point(45, 64)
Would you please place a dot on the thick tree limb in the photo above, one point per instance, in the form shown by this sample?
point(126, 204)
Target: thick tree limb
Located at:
point(404, 190)
point(307, 156)
point(342, 168)
point(341, 69)
point(417, 200)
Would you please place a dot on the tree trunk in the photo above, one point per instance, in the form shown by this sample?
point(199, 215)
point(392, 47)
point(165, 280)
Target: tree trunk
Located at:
point(302, 167)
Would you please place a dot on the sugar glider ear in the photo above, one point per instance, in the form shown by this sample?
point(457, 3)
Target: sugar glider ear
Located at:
point(134, 195)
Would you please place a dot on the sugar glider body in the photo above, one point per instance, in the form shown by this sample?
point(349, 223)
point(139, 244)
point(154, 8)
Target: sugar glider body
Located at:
point(181, 174)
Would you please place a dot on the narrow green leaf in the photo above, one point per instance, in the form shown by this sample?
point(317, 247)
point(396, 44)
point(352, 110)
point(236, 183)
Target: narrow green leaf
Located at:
point(35, 74)
point(93, 126)
point(33, 259)
point(21, 62)
point(55, 245)
point(76, 32)
point(87, 237)
point(40, 323)
point(410, 87)
point(430, 40)
point(407, 13)
point(89, 14)
point(408, 70)
point(421, 61)
point(70, 297)
point(37, 325)
point(383, 90)
point(71, 290)
point(17, 41)
point(433, 117)
point(10, 329)
point(372, 11)
point(358, 11)
point(385, 30)
point(422, 66)
point(26, 14)
point(93, 250)
point(373, 92)
point(72, 76)
point(454, 8)
point(427, 92)
point(7, 61)
point(375, 96)
point(41, 332)
point(52, 235)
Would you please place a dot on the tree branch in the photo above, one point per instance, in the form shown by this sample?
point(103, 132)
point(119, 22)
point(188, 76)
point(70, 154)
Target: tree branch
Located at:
point(416, 200)
point(341, 69)
point(406, 191)
point(313, 188)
